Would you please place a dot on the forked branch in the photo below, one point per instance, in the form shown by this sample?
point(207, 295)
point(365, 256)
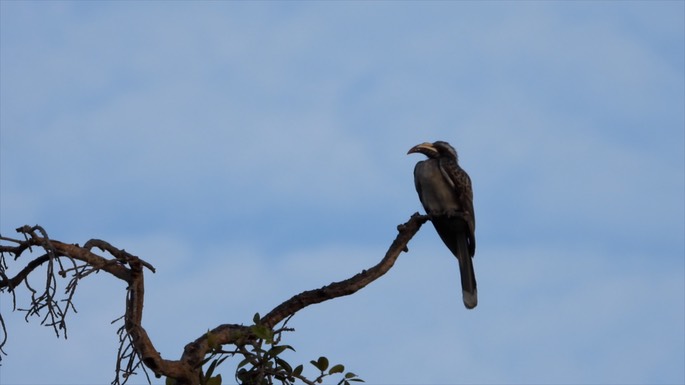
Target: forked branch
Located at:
point(136, 346)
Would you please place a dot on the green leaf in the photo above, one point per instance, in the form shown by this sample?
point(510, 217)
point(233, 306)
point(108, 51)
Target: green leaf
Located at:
point(210, 369)
point(349, 376)
point(221, 360)
point(244, 362)
point(262, 332)
point(212, 341)
point(256, 318)
point(298, 370)
point(206, 360)
point(276, 350)
point(214, 380)
point(284, 365)
point(213, 365)
point(321, 363)
point(337, 369)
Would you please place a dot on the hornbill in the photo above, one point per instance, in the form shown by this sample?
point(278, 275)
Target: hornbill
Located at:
point(445, 192)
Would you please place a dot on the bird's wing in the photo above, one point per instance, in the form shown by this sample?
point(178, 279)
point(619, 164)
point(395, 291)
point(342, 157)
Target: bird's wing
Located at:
point(417, 181)
point(461, 182)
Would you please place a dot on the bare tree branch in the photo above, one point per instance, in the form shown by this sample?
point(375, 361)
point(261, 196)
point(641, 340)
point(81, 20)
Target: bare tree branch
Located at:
point(135, 344)
point(351, 285)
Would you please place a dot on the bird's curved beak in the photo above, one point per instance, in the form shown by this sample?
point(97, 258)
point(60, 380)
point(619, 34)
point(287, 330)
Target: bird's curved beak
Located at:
point(422, 148)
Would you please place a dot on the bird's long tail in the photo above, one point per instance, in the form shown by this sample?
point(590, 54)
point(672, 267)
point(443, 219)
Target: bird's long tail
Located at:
point(468, 276)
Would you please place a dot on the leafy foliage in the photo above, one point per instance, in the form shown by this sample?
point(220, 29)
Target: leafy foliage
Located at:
point(258, 344)
point(263, 364)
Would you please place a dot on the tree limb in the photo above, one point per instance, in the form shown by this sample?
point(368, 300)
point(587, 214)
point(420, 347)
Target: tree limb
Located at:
point(129, 268)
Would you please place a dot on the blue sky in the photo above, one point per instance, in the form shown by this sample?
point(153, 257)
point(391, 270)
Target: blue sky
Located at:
point(250, 151)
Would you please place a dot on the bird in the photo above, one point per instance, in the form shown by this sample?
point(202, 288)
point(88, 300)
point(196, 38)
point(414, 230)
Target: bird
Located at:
point(445, 192)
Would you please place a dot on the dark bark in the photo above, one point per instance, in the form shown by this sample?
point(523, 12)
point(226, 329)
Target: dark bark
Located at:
point(136, 346)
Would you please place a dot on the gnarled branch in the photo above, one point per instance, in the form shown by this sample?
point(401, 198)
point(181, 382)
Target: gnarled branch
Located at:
point(129, 268)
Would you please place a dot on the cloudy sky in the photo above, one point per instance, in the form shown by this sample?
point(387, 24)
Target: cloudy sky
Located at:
point(252, 150)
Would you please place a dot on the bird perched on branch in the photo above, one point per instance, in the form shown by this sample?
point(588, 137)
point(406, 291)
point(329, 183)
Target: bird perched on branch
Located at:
point(445, 192)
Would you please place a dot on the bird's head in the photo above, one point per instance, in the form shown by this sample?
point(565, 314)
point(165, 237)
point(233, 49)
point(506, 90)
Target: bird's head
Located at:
point(435, 150)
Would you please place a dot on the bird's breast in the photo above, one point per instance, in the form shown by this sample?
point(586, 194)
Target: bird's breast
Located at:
point(436, 195)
